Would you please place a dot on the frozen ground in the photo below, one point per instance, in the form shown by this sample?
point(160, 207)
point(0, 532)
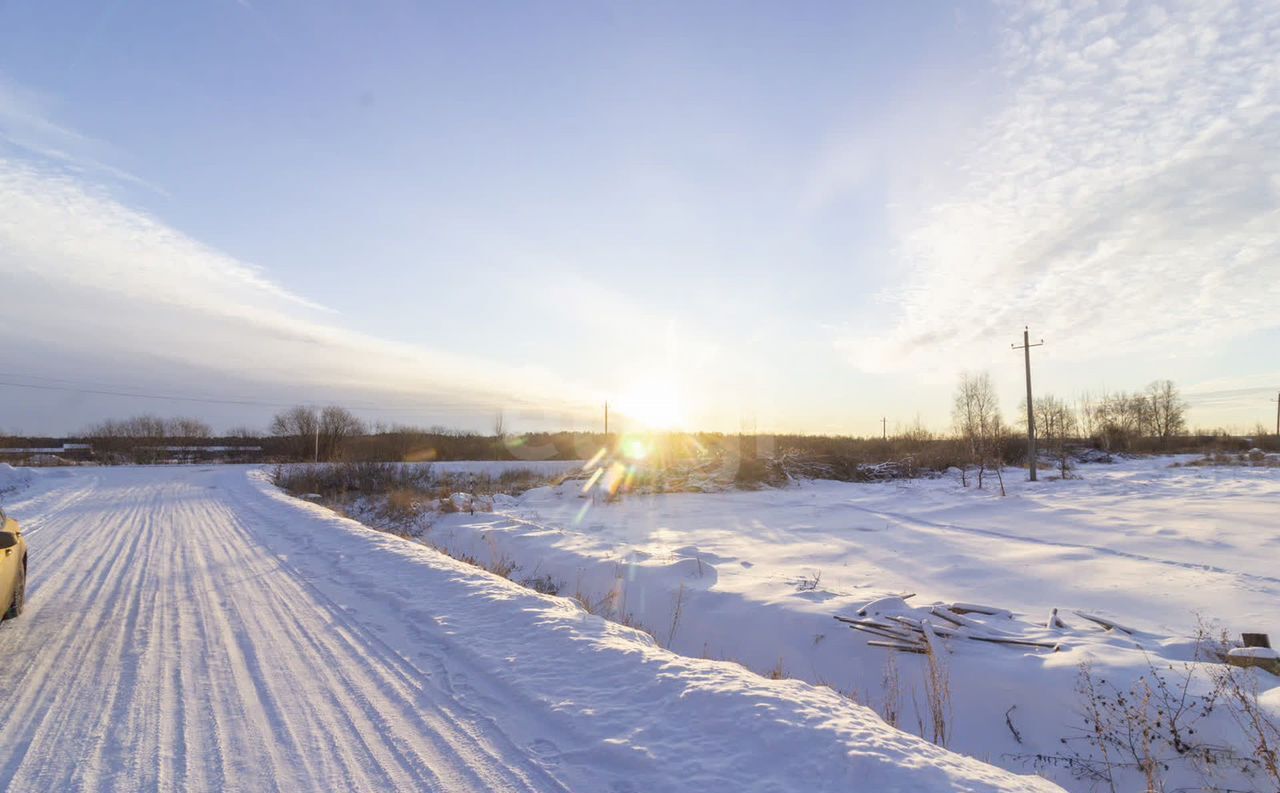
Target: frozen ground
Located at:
point(757, 577)
point(195, 629)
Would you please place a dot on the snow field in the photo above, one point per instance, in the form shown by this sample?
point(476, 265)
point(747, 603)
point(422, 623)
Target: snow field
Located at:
point(196, 628)
point(757, 577)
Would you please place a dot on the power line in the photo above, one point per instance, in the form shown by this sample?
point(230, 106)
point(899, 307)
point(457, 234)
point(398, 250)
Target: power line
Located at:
point(103, 392)
point(448, 407)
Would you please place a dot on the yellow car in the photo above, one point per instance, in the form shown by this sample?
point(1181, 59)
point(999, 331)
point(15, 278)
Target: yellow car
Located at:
point(13, 567)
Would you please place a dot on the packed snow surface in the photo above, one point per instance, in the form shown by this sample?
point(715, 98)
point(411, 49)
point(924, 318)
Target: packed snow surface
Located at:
point(195, 629)
point(758, 577)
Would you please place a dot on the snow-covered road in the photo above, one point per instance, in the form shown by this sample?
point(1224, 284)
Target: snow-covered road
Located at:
point(192, 629)
point(169, 644)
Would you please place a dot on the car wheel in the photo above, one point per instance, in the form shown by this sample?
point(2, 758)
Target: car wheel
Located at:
point(19, 596)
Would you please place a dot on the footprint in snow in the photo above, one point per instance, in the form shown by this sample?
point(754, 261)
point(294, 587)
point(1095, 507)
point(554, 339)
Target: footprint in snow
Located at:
point(546, 751)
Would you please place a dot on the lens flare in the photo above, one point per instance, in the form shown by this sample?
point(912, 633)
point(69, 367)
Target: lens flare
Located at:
point(635, 449)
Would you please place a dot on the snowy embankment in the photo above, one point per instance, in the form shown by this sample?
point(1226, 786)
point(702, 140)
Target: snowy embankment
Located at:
point(12, 478)
point(757, 577)
point(236, 638)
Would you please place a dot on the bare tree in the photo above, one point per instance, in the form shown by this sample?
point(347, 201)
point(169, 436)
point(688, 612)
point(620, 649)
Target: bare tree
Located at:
point(1056, 424)
point(975, 415)
point(142, 437)
point(299, 425)
point(318, 434)
point(964, 420)
point(337, 424)
point(1119, 421)
point(1084, 415)
point(186, 428)
point(1168, 411)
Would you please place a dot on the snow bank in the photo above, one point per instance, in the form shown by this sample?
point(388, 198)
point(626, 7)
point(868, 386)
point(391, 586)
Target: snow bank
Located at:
point(1265, 653)
point(634, 713)
point(13, 478)
point(757, 577)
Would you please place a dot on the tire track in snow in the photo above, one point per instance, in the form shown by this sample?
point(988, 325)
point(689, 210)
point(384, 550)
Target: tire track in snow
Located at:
point(163, 648)
point(396, 671)
point(42, 708)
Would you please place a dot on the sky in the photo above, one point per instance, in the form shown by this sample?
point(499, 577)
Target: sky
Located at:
point(715, 215)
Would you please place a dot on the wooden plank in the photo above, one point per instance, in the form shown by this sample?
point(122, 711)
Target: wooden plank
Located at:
point(940, 611)
point(914, 624)
point(905, 648)
point(1017, 642)
point(931, 639)
point(965, 622)
point(1106, 623)
point(883, 634)
point(977, 608)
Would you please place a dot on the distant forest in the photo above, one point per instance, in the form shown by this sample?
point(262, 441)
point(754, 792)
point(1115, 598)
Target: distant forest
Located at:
point(1152, 420)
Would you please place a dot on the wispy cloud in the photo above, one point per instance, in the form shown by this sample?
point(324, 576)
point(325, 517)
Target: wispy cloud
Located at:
point(86, 274)
point(1127, 196)
point(28, 126)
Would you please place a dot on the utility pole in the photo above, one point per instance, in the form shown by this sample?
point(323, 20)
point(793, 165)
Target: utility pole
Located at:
point(606, 418)
point(884, 428)
point(1031, 411)
point(317, 457)
point(1277, 401)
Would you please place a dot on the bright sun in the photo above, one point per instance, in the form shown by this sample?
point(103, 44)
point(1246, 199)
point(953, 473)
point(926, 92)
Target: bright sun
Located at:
point(653, 403)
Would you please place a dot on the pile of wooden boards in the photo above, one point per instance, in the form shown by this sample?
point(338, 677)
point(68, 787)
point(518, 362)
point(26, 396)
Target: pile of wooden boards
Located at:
point(897, 626)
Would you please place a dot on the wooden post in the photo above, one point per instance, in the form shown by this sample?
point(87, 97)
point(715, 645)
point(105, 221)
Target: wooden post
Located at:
point(1031, 410)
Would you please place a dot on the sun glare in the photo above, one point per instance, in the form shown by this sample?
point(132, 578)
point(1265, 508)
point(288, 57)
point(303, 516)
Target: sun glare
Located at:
point(635, 449)
point(654, 404)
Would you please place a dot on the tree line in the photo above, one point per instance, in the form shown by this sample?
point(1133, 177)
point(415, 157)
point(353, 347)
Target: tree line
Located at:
point(980, 441)
point(1147, 420)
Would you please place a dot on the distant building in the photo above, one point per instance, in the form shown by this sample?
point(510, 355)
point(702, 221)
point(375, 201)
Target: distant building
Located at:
point(77, 452)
